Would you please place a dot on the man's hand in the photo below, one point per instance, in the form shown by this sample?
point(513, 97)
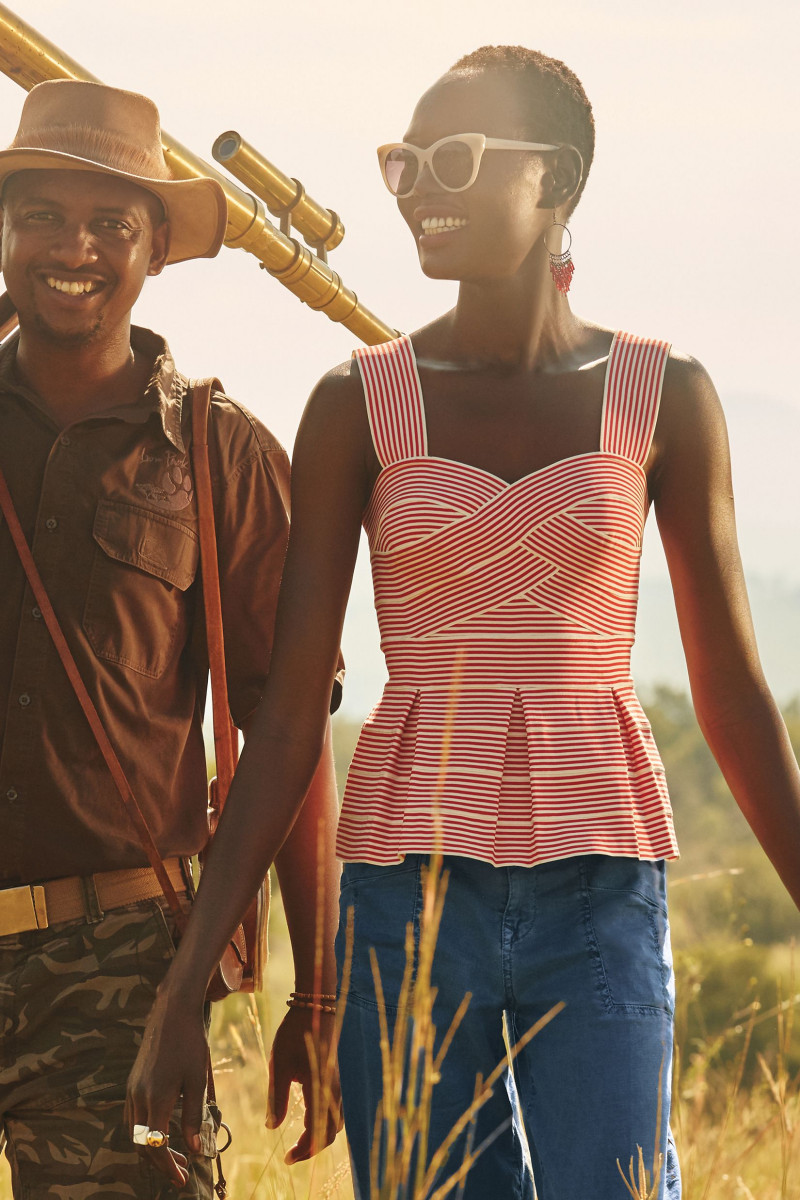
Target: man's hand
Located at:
point(172, 1062)
point(303, 1050)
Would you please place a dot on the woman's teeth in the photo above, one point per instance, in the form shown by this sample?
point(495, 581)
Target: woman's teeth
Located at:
point(71, 287)
point(442, 224)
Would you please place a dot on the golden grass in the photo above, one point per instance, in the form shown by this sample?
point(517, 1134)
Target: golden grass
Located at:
point(734, 1142)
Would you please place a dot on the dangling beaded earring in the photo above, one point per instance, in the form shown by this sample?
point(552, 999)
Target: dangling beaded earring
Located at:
point(562, 268)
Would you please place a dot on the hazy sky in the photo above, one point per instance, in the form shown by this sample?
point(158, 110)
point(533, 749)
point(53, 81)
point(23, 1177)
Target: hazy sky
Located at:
point(687, 230)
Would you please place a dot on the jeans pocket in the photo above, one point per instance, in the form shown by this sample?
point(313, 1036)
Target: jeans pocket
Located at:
point(385, 902)
point(627, 932)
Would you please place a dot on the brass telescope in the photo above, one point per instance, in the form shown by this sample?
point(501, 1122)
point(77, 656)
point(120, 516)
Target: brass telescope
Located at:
point(29, 58)
point(285, 197)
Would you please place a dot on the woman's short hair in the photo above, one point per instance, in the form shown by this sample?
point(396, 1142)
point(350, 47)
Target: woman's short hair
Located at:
point(553, 96)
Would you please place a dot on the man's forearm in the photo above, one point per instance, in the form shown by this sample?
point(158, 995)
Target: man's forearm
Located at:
point(308, 872)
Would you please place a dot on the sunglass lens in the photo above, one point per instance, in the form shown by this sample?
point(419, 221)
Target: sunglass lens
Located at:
point(400, 169)
point(452, 164)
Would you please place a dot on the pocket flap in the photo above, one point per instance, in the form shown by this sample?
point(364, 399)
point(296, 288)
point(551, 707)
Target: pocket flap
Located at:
point(159, 545)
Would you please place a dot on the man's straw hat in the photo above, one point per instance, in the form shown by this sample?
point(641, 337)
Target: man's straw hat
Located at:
point(69, 125)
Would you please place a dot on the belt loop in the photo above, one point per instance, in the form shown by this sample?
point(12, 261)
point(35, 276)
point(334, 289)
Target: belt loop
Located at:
point(91, 899)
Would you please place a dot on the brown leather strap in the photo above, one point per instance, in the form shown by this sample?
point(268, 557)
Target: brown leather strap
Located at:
point(225, 733)
point(86, 703)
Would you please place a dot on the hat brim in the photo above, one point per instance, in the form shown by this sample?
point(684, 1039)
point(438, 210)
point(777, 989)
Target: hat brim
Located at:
point(196, 208)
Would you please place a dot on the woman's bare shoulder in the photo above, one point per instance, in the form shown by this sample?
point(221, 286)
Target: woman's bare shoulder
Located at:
point(336, 404)
point(688, 387)
point(339, 390)
point(691, 435)
point(690, 406)
point(334, 434)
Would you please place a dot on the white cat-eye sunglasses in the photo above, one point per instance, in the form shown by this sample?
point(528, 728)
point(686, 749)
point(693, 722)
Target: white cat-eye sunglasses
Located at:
point(453, 161)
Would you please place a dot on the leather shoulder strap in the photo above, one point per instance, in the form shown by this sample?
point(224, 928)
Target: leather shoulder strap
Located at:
point(84, 699)
point(225, 733)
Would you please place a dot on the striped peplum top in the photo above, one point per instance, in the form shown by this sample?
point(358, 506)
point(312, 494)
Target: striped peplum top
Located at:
point(509, 729)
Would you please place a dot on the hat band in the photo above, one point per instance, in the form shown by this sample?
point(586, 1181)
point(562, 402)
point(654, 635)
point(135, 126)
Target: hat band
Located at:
point(104, 147)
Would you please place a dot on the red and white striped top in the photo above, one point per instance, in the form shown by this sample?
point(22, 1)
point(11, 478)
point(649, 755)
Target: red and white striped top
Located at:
point(509, 729)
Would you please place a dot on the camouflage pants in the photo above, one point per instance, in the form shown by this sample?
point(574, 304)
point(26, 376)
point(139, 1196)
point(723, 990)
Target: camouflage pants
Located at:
point(73, 1003)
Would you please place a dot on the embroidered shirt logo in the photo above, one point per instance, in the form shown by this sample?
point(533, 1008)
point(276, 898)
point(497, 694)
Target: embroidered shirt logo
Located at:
point(170, 484)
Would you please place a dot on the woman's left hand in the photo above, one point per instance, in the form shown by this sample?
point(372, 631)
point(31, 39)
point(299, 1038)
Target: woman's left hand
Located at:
point(304, 1051)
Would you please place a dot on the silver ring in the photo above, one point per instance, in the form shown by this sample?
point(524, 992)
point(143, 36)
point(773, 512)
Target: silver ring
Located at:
point(143, 1135)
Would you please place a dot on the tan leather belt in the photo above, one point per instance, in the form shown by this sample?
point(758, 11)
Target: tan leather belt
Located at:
point(40, 905)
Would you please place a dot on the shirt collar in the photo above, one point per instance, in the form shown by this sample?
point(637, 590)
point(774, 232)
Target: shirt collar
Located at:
point(164, 393)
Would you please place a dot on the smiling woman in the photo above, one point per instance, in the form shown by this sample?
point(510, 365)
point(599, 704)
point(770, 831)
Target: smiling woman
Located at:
point(503, 459)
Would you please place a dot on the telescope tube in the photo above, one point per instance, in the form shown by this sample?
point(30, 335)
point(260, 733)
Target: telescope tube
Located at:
point(29, 58)
point(282, 194)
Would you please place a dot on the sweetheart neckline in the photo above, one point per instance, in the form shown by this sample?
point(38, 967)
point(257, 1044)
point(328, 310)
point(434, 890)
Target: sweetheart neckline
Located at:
point(454, 462)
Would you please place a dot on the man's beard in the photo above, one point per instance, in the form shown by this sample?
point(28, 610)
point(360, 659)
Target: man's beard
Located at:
point(64, 339)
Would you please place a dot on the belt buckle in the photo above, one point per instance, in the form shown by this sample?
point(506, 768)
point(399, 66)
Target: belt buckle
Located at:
point(22, 909)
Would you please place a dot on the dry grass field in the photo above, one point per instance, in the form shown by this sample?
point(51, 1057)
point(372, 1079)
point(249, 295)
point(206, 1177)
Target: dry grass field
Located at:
point(736, 1106)
point(737, 1103)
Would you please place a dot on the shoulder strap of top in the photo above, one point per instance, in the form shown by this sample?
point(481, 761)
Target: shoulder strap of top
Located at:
point(394, 400)
point(634, 379)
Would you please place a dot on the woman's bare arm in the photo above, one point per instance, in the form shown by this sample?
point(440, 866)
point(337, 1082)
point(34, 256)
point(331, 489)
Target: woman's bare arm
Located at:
point(332, 472)
point(691, 485)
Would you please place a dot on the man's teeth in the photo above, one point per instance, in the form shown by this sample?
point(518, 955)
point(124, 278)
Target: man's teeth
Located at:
point(72, 287)
point(442, 224)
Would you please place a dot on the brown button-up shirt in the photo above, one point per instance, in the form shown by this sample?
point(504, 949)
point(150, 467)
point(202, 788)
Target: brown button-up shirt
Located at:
point(108, 508)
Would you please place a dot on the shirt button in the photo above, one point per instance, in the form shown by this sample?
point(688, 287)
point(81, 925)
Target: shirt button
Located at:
point(12, 794)
point(24, 699)
point(36, 613)
point(66, 441)
point(51, 524)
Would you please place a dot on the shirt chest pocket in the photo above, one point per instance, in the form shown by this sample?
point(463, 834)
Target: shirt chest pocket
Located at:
point(136, 610)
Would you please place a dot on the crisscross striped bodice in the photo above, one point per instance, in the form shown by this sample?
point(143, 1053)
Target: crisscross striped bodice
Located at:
point(509, 729)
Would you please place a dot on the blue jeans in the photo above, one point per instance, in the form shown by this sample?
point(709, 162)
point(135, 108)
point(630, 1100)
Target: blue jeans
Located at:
point(591, 1086)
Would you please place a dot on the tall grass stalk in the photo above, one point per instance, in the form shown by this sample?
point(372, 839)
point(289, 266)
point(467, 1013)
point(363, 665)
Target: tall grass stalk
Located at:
point(780, 1084)
point(643, 1186)
point(639, 1183)
point(402, 1166)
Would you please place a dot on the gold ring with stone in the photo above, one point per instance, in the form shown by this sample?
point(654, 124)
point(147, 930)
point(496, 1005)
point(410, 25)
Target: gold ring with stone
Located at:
point(156, 1139)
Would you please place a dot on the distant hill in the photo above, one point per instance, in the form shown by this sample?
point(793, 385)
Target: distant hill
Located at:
point(765, 450)
point(658, 656)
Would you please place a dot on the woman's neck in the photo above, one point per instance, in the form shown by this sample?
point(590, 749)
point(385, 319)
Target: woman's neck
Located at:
point(519, 323)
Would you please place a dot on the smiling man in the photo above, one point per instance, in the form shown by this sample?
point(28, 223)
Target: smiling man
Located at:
point(95, 436)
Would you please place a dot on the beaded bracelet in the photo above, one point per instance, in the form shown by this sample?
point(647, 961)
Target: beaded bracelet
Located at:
point(314, 995)
point(294, 1002)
